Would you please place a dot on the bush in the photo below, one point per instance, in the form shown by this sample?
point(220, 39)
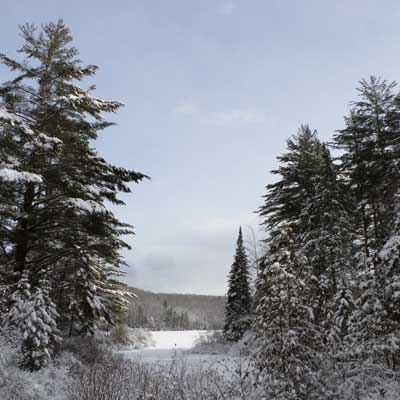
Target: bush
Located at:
point(122, 379)
point(211, 342)
point(47, 384)
point(87, 349)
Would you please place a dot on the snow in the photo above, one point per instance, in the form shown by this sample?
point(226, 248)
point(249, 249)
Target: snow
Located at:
point(85, 205)
point(14, 119)
point(175, 339)
point(11, 175)
point(168, 345)
point(4, 114)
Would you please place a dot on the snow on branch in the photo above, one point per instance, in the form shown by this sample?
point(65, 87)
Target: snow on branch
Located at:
point(12, 175)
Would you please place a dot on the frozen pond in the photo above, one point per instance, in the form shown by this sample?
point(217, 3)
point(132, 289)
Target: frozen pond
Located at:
point(170, 345)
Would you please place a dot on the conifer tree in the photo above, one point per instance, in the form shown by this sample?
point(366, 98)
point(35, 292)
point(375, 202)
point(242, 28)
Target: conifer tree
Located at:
point(35, 316)
point(238, 308)
point(343, 309)
point(54, 185)
point(367, 159)
point(375, 329)
point(309, 254)
point(327, 238)
point(286, 198)
point(289, 347)
point(370, 163)
point(310, 199)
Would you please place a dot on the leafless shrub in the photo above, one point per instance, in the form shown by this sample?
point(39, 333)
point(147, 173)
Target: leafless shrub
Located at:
point(211, 342)
point(122, 379)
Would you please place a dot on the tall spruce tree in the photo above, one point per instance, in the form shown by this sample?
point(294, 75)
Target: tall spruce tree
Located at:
point(309, 239)
point(326, 237)
point(310, 199)
point(238, 307)
point(54, 185)
point(368, 161)
point(289, 344)
point(286, 198)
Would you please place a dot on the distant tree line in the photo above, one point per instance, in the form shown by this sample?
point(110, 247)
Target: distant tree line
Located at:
point(326, 311)
point(161, 311)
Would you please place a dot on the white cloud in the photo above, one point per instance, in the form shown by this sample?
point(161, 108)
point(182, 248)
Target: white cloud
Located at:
point(236, 116)
point(187, 108)
point(226, 8)
point(195, 260)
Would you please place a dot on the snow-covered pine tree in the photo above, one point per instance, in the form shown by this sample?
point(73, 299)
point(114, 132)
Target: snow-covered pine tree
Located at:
point(368, 322)
point(309, 200)
point(238, 307)
point(389, 277)
point(34, 315)
point(309, 197)
point(370, 129)
point(343, 310)
point(375, 330)
point(15, 175)
point(286, 198)
point(326, 237)
point(340, 323)
point(370, 164)
point(289, 345)
point(54, 185)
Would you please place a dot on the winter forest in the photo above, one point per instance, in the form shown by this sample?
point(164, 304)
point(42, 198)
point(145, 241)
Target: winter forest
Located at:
point(312, 309)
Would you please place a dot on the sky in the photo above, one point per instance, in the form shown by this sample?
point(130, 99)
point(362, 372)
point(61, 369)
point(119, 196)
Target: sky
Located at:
point(212, 91)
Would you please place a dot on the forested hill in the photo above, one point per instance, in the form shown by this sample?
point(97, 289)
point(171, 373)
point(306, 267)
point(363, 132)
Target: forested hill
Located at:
point(175, 311)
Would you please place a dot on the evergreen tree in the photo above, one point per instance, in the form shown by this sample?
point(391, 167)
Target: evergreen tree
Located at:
point(54, 186)
point(35, 316)
point(289, 343)
point(286, 198)
point(326, 237)
point(309, 254)
point(367, 160)
point(375, 331)
point(238, 307)
point(343, 309)
point(310, 199)
point(370, 164)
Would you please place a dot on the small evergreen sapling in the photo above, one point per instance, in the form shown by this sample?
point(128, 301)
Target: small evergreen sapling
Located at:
point(34, 315)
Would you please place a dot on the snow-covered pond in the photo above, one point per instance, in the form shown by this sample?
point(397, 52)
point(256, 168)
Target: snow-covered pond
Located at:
point(174, 339)
point(167, 345)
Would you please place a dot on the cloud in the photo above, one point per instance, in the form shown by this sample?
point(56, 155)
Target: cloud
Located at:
point(226, 9)
point(236, 116)
point(197, 260)
point(187, 108)
point(240, 116)
point(155, 271)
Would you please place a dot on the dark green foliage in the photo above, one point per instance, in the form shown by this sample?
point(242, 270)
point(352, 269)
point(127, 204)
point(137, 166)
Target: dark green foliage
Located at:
point(54, 185)
point(333, 252)
point(238, 307)
point(285, 199)
point(369, 161)
point(309, 249)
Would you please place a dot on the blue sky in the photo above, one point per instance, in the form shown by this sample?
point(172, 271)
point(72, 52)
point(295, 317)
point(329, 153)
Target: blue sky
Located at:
point(212, 90)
